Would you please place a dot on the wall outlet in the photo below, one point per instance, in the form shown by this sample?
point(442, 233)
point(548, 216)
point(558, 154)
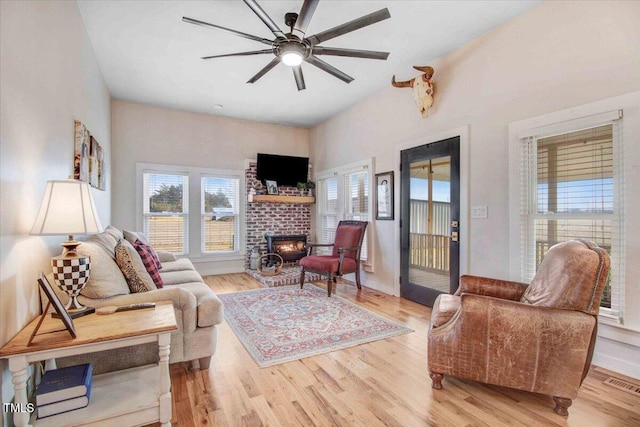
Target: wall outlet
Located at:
point(479, 212)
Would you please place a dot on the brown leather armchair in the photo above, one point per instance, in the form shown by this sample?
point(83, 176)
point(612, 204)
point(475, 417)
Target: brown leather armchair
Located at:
point(537, 338)
point(344, 258)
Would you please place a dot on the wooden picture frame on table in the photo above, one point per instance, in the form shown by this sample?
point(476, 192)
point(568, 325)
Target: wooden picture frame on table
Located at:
point(57, 305)
point(272, 187)
point(384, 196)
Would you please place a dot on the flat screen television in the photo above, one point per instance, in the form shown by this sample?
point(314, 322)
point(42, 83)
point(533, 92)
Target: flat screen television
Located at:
point(287, 171)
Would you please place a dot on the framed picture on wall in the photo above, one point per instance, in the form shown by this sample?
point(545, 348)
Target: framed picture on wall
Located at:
point(272, 187)
point(384, 195)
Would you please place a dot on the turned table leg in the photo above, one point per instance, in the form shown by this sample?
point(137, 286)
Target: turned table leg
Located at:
point(164, 342)
point(18, 367)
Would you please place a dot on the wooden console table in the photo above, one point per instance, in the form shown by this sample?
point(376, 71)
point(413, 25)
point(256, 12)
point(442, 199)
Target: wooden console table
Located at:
point(133, 396)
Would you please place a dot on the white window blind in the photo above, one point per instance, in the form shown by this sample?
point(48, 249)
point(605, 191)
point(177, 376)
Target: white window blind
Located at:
point(343, 194)
point(356, 201)
point(166, 211)
point(571, 187)
point(220, 214)
point(327, 198)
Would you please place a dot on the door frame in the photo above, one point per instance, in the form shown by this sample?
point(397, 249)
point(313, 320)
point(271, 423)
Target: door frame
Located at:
point(463, 133)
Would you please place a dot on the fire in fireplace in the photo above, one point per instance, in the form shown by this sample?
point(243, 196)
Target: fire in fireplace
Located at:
point(289, 247)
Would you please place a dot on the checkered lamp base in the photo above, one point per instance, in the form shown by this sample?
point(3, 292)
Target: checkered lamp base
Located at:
point(71, 274)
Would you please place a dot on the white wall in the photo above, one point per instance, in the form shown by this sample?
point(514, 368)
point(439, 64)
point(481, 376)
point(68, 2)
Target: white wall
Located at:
point(142, 133)
point(556, 56)
point(49, 77)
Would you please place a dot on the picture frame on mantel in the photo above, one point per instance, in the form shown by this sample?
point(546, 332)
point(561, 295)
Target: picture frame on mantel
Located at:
point(272, 187)
point(384, 196)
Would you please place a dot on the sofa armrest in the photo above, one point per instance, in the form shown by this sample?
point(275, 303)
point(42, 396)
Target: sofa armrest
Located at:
point(166, 257)
point(183, 301)
point(491, 287)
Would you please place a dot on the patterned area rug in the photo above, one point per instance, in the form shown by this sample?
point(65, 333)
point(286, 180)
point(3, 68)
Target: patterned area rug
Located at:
point(290, 275)
point(288, 323)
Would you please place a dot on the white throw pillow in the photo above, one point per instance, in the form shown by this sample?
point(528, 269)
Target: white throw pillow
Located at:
point(105, 278)
point(106, 241)
point(132, 236)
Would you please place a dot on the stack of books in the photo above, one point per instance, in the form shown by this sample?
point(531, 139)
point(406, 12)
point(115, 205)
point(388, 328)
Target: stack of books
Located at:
point(63, 390)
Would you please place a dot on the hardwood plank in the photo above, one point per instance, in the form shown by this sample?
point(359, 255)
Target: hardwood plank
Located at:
point(375, 384)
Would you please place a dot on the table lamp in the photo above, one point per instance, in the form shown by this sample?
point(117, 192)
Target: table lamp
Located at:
point(68, 208)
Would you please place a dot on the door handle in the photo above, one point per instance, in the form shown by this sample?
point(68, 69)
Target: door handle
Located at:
point(454, 230)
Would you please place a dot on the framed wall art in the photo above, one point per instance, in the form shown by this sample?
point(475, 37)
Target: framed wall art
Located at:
point(384, 195)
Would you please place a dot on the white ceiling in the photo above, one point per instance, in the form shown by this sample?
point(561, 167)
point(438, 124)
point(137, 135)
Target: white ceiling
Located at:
point(148, 55)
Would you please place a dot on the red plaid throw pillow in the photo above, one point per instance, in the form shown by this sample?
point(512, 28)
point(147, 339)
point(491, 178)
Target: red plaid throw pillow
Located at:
point(150, 261)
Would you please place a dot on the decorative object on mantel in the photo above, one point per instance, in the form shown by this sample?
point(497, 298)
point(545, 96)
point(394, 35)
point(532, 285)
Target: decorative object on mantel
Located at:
point(68, 208)
point(310, 186)
point(422, 86)
point(282, 324)
point(272, 187)
point(302, 187)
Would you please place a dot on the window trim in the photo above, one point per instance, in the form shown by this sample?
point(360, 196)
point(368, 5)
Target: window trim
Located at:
point(565, 121)
point(340, 172)
point(195, 174)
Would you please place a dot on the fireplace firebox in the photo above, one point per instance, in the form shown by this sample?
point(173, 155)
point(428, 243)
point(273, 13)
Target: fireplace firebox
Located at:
point(290, 247)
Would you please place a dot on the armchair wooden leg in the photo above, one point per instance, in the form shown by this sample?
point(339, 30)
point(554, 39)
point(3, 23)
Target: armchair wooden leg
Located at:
point(436, 380)
point(358, 278)
point(562, 406)
point(329, 285)
point(301, 277)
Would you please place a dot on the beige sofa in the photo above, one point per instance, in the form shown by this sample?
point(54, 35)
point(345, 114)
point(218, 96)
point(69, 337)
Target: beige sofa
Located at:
point(197, 308)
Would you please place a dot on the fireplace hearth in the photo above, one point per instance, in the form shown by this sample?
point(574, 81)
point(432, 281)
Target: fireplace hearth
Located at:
point(291, 247)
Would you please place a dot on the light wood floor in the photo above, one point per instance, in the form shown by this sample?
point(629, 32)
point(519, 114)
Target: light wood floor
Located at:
point(384, 383)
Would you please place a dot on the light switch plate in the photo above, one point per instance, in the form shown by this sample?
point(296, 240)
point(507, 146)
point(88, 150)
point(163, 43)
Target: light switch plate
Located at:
point(479, 211)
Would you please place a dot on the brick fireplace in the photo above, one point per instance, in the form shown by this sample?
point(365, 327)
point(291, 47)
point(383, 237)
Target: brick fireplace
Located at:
point(281, 219)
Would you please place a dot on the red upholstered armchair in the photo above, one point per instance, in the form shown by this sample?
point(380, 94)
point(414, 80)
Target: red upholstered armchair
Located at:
point(344, 259)
point(537, 338)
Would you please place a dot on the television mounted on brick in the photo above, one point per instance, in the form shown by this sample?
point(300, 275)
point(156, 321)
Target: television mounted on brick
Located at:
point(287, 171)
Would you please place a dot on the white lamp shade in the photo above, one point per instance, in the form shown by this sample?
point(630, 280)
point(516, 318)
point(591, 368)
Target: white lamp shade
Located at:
point(67, 208)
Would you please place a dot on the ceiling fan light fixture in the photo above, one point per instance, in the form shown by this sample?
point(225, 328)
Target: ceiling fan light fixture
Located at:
point(292, 59)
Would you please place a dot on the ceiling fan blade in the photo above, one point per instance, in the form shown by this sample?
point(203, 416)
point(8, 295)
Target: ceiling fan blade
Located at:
point(352, 53)
point(265, 18)
point(265, 70)
point(227, 30)
point(328, 68)
point(253, 52)
point(297, 74)
point(306, 13)
point(350, 26)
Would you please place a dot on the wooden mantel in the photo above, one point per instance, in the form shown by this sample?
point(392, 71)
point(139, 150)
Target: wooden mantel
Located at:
point(272, 198)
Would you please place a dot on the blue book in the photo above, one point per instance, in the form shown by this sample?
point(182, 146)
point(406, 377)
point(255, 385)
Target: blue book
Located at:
point(63, 384)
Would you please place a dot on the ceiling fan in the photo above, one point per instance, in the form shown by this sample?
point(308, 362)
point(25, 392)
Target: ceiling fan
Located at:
point(295, 47)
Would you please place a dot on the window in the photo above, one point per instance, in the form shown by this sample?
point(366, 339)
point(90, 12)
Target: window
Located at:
point(343, 194)
point(571, 185)
point(168, 194)
point(166, 211)
point(220, 224)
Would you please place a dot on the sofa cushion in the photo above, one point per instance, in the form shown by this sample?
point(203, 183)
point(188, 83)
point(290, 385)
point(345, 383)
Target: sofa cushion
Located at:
point(132, 268)
point(444, 307)
point(132, 236)
point(178, 264)
point(180, 276)
point(117, 234)
point(150, 263)
point(105, 278)
point(106, 241)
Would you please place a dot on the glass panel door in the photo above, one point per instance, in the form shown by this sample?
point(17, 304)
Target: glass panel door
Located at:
point(430, 214)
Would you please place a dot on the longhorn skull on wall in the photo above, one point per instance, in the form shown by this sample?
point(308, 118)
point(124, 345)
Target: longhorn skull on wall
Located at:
point(422, 88)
